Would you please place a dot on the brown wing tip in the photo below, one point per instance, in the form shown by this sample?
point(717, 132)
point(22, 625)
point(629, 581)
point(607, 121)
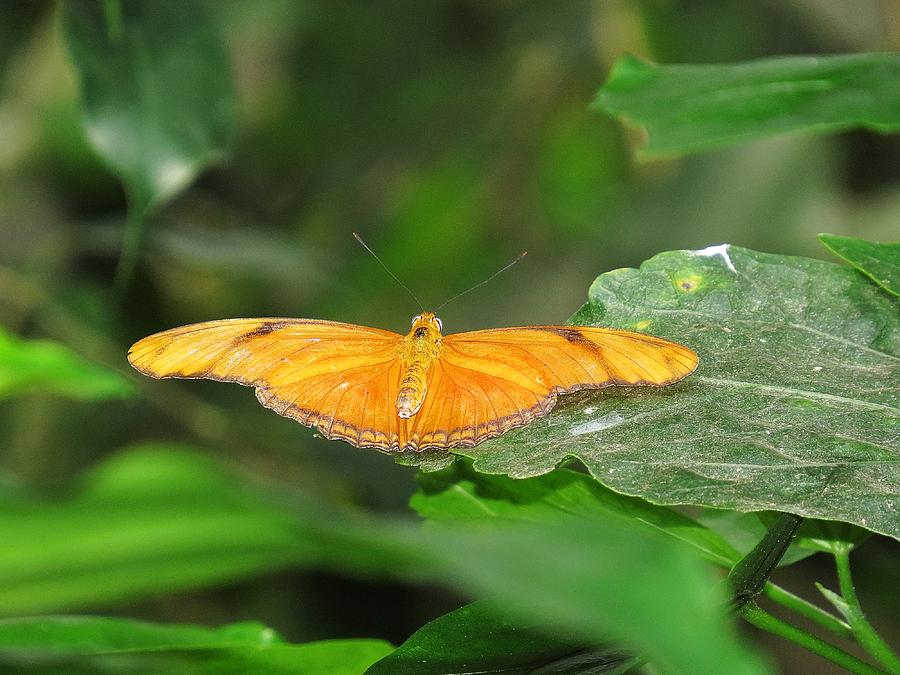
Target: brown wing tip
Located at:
point(693, 361)
point(681, 362)
point(140, 363)
point(146, 370)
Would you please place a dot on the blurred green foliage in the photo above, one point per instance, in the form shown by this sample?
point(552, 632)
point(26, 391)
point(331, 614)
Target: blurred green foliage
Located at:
point(157, 98)
point(451, 134)
point(34, 366)
point(693, 108)
point(102, 645)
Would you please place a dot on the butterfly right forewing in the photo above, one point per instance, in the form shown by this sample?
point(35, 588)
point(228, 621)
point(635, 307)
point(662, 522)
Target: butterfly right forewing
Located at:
point(505, 378)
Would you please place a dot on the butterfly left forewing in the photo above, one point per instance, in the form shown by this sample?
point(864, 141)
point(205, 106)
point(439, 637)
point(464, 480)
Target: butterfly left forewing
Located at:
point(505, 378)
point(338, 378)
point(249, 350)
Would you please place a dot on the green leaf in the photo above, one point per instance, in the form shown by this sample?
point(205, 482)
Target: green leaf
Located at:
point(155, 519)
point(45, 367)
point(879, 262)
point(157, 96)
point(690, 108)
point(460, 493)
point(76, 644)
point(836, 601)
point(830, 537)
point(156, 90)
point(795, 406)
point(481, 638)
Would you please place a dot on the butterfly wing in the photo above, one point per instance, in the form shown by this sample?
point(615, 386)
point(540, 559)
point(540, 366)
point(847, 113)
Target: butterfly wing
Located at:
point(340, 378)
point(488, 382)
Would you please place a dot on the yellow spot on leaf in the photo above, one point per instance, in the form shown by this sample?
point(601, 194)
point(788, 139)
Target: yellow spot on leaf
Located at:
point(689, 283)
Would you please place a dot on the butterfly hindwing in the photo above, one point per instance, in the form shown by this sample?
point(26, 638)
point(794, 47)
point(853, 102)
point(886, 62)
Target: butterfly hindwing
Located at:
point(355, 404)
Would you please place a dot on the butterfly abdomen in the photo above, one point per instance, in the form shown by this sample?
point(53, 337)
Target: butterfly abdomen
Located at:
point(412, 390)
point(419, 350)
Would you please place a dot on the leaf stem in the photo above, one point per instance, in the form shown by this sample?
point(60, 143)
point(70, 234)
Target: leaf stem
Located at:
point(863, 631)
point(749, 576)
point(805, 608)
point(131, 243)
point(771, 624)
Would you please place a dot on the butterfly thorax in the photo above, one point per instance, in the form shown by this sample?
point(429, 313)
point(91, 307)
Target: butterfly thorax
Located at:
point(418, 351)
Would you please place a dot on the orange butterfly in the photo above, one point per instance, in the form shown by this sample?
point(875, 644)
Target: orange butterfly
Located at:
point(374, 388)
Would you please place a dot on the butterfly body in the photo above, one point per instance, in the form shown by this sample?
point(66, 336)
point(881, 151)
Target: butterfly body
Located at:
point(421, 348)
point(376, 388)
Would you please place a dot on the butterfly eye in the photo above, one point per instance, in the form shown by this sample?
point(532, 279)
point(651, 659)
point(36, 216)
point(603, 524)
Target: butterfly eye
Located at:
point(439, 323)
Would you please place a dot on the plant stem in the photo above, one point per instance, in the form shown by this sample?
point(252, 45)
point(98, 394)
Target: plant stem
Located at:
point(131, 243)
point(771, 624)
point(749, 576)
point(805, 608)
point(870, 640)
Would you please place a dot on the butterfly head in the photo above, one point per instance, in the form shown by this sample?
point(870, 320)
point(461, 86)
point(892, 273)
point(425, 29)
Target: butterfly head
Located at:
point(426, 322)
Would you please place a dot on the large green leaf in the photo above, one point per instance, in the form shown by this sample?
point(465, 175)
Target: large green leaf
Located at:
point(689, 108)
point(85, 644)
point(156, 92)
point(795, 406)
point(480, 638)
point(155, 519)
point(879, 262)
point(460, 493)
point(42, 366)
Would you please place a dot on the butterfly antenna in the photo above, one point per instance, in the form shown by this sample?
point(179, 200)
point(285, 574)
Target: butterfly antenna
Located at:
point(387, 269)
point(490, 278)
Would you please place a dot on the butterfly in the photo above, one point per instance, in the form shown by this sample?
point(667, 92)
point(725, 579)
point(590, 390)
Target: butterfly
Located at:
point(380, 389)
